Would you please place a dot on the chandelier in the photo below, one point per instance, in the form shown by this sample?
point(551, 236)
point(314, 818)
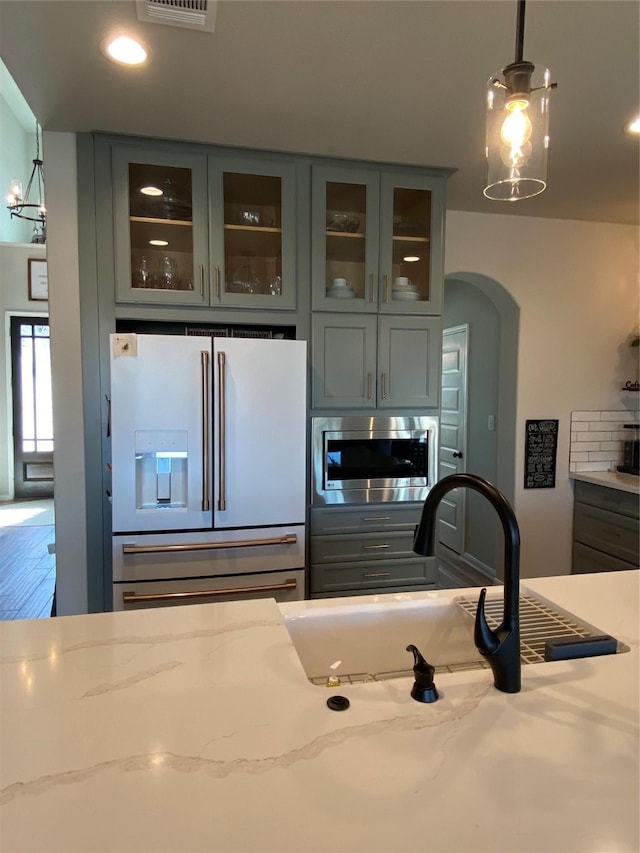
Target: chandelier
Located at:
point(517, 137)
point(25, 206)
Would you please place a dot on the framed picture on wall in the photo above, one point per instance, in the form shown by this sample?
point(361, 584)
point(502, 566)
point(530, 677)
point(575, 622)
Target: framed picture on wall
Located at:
point(38, 280)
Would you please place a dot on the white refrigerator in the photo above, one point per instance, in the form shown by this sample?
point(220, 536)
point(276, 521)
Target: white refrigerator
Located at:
point(208, 459)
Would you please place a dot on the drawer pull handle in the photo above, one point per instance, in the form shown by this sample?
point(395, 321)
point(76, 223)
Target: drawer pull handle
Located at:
point(374, 547)
point(376, 518)
point(376, 575)
point(288, 539)
point(133, 598)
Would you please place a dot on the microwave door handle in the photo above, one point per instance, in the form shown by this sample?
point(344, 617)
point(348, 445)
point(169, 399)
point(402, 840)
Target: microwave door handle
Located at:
point(204, 387)
point(222, 433)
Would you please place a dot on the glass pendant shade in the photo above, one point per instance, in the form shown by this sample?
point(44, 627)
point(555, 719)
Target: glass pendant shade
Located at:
point(517, 135)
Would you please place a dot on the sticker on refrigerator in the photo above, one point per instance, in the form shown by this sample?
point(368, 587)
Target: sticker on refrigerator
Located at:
point(124, 345)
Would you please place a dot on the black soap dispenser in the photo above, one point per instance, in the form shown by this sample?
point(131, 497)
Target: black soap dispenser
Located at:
point(423, 690)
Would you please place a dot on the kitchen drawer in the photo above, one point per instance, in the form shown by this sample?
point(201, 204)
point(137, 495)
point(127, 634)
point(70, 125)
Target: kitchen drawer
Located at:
point(283, 586)
point(381, 575)
point(358, 519)
point(364, 546)
point(587, 559)
point(614, 500)
point(607, 531)
point(208, 553)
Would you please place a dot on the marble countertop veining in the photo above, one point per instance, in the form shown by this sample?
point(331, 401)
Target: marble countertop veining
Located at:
point(612, 479)
point(195, 729)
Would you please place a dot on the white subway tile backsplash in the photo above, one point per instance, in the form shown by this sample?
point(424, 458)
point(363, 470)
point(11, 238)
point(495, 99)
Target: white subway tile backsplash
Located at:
point(585, 416)
point(590, 466)
point(597, 438)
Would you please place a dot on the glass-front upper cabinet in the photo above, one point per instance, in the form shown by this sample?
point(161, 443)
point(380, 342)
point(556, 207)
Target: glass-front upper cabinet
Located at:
point(344, 247)
point(377, 241)
point(252, 209)
point(161, 227)
point(412, 209)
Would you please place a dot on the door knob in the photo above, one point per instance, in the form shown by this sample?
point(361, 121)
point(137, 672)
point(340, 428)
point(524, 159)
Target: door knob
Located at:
point(457, 454)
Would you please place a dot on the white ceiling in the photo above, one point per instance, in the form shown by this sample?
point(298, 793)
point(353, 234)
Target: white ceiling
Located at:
point(384, 80)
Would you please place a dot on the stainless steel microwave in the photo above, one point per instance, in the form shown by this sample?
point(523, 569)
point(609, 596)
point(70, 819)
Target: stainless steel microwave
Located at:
point(361, 459)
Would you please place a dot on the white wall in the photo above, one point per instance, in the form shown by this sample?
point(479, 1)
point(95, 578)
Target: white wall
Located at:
point(14, 299)
point(577, 287)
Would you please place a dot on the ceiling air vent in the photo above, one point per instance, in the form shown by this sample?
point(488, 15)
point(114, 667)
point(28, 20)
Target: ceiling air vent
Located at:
point(192, 14)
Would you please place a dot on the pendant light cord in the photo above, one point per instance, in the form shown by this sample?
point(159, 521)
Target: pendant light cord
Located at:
point(520, 32)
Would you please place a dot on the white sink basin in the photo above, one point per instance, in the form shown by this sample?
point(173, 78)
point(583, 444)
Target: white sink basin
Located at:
point(364, 637)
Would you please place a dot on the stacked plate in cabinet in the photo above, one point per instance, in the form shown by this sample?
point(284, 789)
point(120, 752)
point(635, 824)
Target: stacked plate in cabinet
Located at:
point(404, 292)
point(340, 289)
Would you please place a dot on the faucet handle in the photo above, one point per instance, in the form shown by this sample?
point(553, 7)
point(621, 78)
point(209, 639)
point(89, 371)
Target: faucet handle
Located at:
point(485, 639)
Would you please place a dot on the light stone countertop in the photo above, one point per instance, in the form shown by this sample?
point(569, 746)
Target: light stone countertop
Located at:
point(195, 729)
point(612, 479)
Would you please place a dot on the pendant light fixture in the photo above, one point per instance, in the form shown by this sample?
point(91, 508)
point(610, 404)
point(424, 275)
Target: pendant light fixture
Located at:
point(26, 206)
point(517, 126)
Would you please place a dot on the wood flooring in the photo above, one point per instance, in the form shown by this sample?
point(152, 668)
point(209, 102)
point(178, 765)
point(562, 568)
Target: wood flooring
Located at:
point(27, 572)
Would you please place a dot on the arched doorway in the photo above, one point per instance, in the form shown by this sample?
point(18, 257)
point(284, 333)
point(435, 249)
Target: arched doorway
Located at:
point(492, 318)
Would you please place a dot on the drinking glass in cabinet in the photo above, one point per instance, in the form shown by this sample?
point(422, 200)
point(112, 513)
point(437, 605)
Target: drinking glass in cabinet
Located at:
point(345, 243)
point(411, 259)
point(252, 234)
point(160, 227)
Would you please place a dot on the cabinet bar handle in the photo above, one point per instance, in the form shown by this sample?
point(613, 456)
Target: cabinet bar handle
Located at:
point(204, 372)
point(222, 436)
point(202, 280)
point(287, 539)
point(374, 547)
point(218, 282)
point(376, 574)
point(385, 282)
point(376, 517)
point(384, 386)
point(132, 597)
point(369, 386)
point(371, 288)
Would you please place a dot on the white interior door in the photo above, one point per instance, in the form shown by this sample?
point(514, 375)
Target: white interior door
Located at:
point(453, 433)
point(260, 432)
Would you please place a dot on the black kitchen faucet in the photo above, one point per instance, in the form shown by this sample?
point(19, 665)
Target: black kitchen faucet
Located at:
point(501, 647)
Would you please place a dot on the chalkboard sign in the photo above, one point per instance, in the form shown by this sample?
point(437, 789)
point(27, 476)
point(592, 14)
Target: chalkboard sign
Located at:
point(541, 447)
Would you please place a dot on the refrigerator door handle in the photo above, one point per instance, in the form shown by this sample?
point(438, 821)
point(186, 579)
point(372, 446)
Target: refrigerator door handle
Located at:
point(222, 435)
point(133, 598)
point(287, 539)
point(204, 369)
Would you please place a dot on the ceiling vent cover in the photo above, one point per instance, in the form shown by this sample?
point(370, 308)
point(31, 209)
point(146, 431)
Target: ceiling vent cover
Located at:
point(192, 14)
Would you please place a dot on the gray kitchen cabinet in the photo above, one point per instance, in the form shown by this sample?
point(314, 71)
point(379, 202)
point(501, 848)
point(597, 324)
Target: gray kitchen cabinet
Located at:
point(377, 240)
point(253, 233)
point(198, 229)
point(367, 549)
point(364, 361)
point(160, 225)
point(606, 529)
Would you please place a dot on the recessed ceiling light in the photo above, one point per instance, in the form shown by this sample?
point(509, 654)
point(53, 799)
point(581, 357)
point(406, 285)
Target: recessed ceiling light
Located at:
point(126, 51)
point(633, 127)
point(411, 259)
point(158, 242)
point(151, 190)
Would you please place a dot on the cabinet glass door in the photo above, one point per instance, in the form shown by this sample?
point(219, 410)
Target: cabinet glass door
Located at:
point(345, 223)
point(161, 226)
point(253, 242)
point(411, 255)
